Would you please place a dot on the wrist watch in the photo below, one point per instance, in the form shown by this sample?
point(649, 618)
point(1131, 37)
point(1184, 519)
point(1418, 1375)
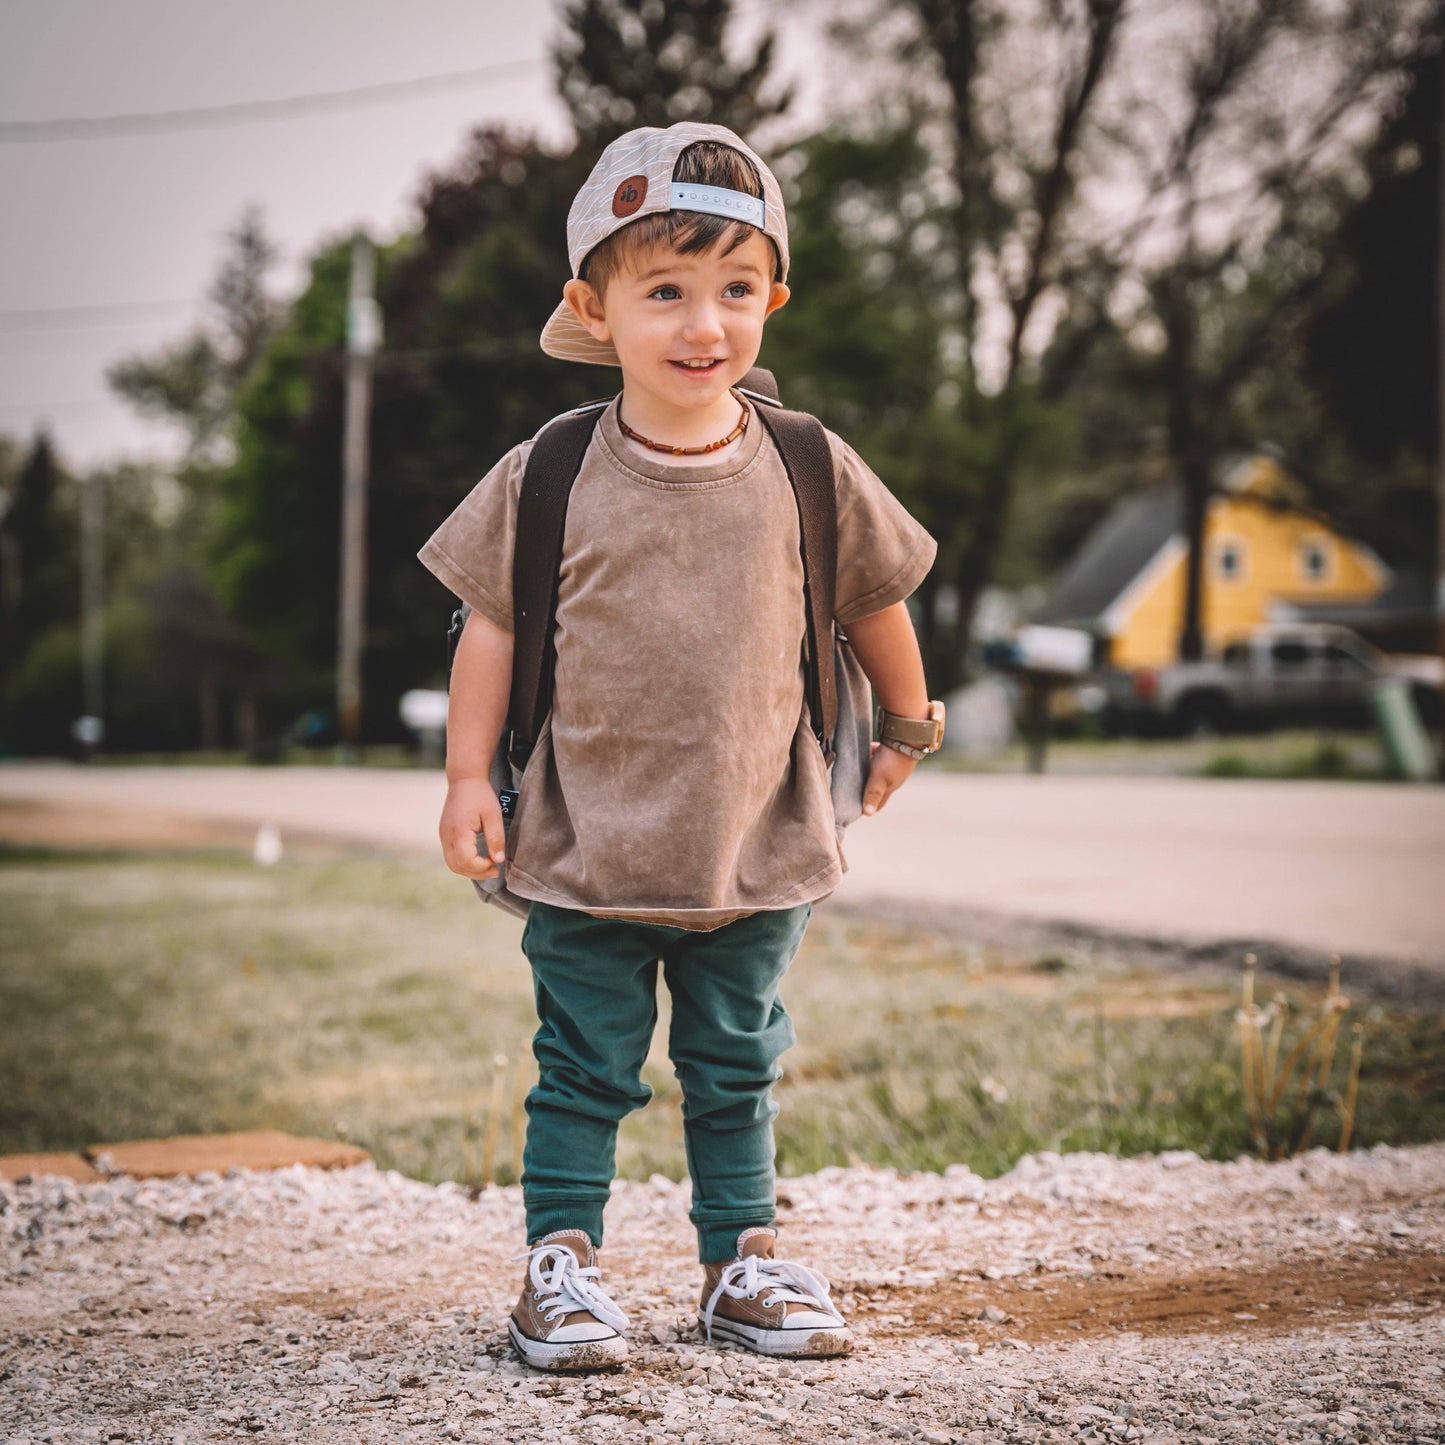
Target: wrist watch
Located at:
point(913, 737)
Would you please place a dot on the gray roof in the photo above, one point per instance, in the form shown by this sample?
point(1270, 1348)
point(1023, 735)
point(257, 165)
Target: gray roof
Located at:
point(1408, 598)
point(1121, 545)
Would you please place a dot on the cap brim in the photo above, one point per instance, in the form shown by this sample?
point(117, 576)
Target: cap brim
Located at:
point(566, 338)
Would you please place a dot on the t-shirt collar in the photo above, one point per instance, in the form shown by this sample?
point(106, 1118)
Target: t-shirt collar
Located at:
point(661, 468)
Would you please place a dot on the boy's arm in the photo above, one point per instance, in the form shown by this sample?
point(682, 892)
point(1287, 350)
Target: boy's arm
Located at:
point(887, 648)
point(476, 713)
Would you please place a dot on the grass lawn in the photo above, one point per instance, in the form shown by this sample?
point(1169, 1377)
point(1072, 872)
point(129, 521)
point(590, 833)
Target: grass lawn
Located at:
point(1319, 753)
point(371, 999)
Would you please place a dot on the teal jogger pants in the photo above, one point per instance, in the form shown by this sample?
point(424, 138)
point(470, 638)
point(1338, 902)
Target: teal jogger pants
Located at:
point(595, 981)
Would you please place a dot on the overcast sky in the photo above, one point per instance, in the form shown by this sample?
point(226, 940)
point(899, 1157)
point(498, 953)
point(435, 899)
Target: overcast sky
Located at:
point(137, 222)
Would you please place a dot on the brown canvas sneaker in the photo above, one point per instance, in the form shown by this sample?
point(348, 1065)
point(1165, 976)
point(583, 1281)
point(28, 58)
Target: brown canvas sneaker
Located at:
point(770, 1305)
point(564, 1319)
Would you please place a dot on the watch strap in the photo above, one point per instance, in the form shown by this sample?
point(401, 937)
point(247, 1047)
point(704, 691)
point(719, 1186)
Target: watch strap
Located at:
point(917, 737)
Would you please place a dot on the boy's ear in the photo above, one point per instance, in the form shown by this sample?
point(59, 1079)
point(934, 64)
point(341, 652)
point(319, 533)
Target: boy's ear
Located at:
point(586, 307)
point(777, 297)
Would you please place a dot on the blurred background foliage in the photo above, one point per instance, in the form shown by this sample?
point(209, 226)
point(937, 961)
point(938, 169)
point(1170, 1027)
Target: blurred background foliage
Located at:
point(1028, 277)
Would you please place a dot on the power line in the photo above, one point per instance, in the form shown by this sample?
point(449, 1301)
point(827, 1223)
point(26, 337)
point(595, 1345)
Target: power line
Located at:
point(493, 349)
point(246, 112)
point(103, 313)
point(76, 403)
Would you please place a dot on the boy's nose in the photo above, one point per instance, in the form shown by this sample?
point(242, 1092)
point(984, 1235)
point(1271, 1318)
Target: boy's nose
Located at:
point(703, 323)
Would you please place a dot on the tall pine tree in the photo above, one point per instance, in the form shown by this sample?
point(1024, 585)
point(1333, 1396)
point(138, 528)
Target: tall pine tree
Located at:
point(626, 63)
point(1375, 352)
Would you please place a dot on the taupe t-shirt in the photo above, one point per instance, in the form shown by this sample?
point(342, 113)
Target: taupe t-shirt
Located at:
point(677, 779)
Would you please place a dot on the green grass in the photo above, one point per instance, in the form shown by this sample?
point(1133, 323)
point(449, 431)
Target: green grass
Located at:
point(367, 999)
point(1307, 757)
point(1280, 753)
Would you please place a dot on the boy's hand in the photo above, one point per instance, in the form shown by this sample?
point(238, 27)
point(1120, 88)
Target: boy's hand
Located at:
point(887, 773)
point(471, 808)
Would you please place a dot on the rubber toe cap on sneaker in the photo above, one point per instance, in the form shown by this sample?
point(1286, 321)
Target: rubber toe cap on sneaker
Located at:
point(581, 1332)
point(811, 1320)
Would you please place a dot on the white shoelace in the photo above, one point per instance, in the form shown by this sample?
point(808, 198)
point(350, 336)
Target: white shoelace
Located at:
point(563, 1285)
point(781, 1278)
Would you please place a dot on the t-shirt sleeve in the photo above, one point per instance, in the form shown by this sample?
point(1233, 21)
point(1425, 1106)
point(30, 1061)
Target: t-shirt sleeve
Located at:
point(883, 554)
point(471, 552)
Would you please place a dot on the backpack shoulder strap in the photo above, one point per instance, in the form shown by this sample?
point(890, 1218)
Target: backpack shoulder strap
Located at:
point(552, 467)
point(760, 385)
point(803, 446)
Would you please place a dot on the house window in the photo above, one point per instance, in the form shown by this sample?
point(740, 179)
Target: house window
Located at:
point(1229, 559)
point(1289, 654)
point(1314, 559)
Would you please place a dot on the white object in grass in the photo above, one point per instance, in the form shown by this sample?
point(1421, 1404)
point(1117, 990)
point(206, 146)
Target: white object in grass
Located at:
point(267, 848)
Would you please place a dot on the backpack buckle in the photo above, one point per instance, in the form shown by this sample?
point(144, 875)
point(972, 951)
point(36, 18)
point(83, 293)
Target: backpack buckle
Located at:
point(518, 752)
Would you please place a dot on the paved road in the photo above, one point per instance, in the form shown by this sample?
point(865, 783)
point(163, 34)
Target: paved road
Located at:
point(1343, 867)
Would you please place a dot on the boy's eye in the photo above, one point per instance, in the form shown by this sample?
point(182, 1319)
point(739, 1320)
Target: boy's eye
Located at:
point(741, 288)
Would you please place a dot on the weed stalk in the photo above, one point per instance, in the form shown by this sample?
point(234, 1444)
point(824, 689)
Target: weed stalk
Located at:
point(494, 1117)
point(1266, 1080)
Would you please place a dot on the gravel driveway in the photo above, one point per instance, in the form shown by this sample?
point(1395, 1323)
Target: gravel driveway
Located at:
point(1077, 1298)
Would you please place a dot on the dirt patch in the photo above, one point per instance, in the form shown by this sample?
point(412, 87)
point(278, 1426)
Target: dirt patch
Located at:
point(1227, 1300)
point(1271, 1301)
point(61, 826)
point(43, 825)
point(1401, 982)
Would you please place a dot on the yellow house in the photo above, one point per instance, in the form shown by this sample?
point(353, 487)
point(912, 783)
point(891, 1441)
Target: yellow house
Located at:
point(1266, 554)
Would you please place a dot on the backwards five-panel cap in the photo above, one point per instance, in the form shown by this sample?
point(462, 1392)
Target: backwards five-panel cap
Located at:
point(633, 178)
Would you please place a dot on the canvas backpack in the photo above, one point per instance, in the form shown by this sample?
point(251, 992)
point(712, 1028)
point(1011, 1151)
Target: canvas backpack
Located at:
point(838, 693)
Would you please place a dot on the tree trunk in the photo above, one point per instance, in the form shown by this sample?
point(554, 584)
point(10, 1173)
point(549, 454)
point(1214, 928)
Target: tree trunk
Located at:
point(210, 710)
point(1189, 443)
point(1194, 475)
point(246, 729)
point(974, 569)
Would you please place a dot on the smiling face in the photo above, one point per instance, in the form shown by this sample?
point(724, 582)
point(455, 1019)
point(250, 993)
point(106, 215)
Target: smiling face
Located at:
point(685, 327)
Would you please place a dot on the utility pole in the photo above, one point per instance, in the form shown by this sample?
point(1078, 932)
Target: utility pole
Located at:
point(363, 335)
point(1440, 396)
point(90, 729)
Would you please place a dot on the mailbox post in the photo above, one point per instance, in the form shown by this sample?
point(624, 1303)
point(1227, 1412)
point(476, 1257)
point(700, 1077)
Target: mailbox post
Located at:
point(1043, 659)
point(424, 711)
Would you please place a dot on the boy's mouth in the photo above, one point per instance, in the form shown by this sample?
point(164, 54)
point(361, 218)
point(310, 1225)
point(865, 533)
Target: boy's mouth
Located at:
point(693, 368)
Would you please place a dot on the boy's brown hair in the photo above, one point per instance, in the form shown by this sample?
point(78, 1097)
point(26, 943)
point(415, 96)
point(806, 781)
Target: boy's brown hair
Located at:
point(704, 163)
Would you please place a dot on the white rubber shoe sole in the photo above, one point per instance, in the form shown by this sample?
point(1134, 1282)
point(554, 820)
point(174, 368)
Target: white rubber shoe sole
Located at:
point(603, 1354)
point(811, 1343)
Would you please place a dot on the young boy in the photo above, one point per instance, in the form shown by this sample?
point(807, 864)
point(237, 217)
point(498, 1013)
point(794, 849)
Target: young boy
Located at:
point(675, 808)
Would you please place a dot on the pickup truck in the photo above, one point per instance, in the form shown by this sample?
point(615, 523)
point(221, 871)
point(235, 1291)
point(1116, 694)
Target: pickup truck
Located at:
point(1281, 673)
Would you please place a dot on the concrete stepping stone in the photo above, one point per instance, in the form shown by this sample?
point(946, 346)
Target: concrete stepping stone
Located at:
point(195, 1153)
point(187, 1154)
point(68, 1166)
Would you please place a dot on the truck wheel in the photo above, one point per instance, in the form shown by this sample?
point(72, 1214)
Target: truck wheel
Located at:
point(1202, 715)
point(1428, 704)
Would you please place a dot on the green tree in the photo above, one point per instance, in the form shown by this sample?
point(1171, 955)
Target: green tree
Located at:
point(461, 376)
point(39, 554)
point(1366, 419)
point(1008, 100)
point(1241, 183)
point(193, 382)
point(626, 63)
point(460, 379)
point(858, 342)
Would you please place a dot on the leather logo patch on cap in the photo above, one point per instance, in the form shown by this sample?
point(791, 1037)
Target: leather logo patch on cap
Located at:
point(629, 196)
